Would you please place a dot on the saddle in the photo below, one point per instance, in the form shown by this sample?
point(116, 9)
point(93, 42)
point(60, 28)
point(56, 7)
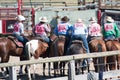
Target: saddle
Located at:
point(18, 43)
point(95, 38)
point(53, 37)
point(39, 38)
point(111, 40)
point(78, 42)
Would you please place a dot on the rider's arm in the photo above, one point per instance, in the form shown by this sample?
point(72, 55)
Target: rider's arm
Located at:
point(21, 29)
point(33, 30)
point(117, 30)
point(47, 28)
point(56, 30)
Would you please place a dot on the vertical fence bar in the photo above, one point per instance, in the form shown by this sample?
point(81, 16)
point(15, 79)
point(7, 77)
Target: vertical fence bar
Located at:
point(71, 69)
point(12, 73)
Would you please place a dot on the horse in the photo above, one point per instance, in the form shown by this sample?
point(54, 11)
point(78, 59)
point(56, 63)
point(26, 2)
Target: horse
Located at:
point(113, 61)
point(9, 46)
point(35, 48)
point(57, 49)
point(97, 44)
point(77, 48)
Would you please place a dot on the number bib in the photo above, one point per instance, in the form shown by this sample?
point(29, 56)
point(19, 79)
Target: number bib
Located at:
point(40, 29)
point(108, 27)
point(16, 27)
point(62, 27)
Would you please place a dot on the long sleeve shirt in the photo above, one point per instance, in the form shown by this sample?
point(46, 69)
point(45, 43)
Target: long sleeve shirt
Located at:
point(62, 29)
point(80, 28)
point(110, 29)
point(95, 29)
point(41, 29)
point(18, 28)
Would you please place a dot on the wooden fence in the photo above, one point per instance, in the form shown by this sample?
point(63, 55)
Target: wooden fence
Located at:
point(71, 58)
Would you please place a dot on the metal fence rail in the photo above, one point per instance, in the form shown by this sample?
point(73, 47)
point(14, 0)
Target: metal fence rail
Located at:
point(56, 59)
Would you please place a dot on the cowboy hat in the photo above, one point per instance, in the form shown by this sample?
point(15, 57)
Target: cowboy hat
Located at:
point(108, 18)
point(92, 19)
point(43, 19)
point(65, 19)
point(79, 20)
point(20, 18)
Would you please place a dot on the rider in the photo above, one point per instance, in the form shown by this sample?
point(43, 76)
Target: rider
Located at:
point(18, 31)
point(80, 32)
point(64, 28)
point(94, 29)
point(42, 29)
point(110, 29)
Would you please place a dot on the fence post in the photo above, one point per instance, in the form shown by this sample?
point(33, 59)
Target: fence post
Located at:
point(12, 73)
point(71, 75)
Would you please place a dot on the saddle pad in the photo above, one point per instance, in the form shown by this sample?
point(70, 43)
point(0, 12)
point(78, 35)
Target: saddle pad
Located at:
point(19, 44)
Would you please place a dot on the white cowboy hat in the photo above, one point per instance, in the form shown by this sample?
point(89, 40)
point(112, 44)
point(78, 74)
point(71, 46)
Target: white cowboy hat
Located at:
point(108, 18)
point(43, 19)
point(20, 18)
point(92, 19)
point(79, 20)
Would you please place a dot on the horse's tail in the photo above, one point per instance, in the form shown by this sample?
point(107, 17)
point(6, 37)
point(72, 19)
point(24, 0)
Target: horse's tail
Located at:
point(99, 47)
point(100, 59)
point(27, 48)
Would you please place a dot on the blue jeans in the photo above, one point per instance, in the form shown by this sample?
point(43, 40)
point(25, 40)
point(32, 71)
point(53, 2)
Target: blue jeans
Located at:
point(111, 37)
point(23, 40)
point(45, 38)
point(83, 38)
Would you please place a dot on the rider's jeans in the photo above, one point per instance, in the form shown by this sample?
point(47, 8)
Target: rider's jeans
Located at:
point(83, 38)
point(109, 37)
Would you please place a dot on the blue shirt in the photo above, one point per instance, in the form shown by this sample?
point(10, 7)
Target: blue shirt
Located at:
point(62, 29)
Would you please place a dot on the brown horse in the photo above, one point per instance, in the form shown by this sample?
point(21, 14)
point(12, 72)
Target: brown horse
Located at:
point(57, 49)
point(8, 47)
point(76, 48)
point(98, 45)
point(113, 62)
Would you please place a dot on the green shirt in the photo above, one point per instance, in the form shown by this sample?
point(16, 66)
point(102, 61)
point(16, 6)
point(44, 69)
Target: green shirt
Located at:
point(115, 31)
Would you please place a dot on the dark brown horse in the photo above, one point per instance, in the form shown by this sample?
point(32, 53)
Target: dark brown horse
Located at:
point(57, 49)
point(98, 45)
point(113, 62)
point(77, 48)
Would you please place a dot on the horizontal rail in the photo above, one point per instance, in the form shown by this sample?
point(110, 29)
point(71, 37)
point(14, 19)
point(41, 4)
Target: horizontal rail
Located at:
point(62, 58)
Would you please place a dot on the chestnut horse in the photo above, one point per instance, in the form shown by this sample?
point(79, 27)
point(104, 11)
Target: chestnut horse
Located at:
point(98, 45)
point(8, 47)
point(113, 62)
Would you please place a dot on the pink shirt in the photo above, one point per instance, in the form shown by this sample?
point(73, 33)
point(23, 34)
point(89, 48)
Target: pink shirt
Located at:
point(95, 29)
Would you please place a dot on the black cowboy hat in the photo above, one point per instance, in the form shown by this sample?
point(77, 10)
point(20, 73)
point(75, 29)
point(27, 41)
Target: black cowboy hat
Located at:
point(65, 19)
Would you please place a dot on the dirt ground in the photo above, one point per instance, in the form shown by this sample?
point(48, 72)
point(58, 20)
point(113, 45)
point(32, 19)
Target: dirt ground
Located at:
point(38, 71)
